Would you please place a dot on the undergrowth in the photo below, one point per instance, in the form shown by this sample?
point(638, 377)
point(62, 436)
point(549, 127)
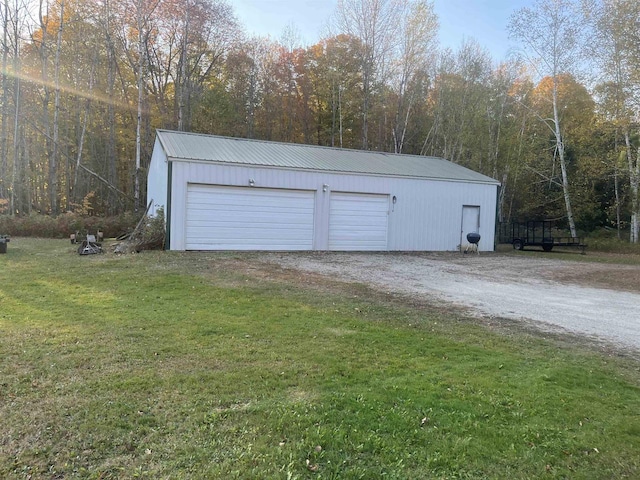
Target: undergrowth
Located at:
point(61, 226)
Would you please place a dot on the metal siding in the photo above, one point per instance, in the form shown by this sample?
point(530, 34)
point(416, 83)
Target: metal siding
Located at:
point(426, 217)
point(157, 179)
point(358, 222)
point(245, 218)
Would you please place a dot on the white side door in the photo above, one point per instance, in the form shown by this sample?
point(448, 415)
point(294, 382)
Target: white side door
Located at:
point(470, 223)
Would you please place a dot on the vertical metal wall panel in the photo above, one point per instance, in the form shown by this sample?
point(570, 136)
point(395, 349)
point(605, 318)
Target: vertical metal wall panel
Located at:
point(157, 179)
point(426, 216)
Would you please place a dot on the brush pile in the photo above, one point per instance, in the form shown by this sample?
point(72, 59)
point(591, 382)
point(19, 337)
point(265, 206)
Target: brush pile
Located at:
point(149, 234)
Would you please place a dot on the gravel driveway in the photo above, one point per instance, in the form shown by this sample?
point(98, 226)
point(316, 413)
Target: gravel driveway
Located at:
point(554, 294)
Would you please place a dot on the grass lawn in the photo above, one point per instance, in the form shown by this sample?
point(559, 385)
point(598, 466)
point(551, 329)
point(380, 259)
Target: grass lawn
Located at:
point(200, 365)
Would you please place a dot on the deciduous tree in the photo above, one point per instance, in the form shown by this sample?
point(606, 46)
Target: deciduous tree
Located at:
point(550, 33)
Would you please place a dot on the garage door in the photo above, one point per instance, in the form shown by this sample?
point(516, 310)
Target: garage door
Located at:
point(358, 221)
point(245, 218)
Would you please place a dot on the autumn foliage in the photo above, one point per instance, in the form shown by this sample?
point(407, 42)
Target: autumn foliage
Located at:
point(77, 72)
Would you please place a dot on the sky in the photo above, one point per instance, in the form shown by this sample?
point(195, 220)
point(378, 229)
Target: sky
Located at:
point(484, 20)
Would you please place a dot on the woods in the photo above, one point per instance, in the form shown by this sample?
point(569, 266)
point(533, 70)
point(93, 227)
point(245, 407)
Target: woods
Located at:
point(85, 83)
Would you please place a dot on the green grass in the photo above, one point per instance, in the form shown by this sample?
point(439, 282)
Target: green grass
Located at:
point(178, 365)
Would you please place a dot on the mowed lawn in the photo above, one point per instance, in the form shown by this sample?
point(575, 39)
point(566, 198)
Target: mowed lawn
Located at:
point(200, 365)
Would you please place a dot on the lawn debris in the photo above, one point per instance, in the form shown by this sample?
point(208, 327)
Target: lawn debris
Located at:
point(90, 246)
point(149, 234)
point(4, 239)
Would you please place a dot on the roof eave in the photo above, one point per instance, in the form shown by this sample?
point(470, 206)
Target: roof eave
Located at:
point(328, 171)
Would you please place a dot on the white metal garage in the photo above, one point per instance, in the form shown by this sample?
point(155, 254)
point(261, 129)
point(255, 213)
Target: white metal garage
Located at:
point(242, 218)
point(222, 193)
point(358, 221)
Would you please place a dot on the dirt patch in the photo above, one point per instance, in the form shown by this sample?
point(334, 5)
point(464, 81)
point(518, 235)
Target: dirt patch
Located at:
point(624, 278)
point(599, 301)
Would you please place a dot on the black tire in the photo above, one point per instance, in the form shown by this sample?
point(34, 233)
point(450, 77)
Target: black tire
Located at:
point(517, 244)
point(547, 247)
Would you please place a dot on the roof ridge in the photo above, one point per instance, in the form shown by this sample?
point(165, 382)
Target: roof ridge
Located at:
point(294, 144)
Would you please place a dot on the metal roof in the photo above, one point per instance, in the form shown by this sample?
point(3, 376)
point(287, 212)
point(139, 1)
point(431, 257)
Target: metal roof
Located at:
point(183, 146)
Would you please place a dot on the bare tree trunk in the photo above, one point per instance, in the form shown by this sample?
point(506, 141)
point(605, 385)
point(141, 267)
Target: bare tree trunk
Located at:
point(46, 98)
point(83, 131)
point(616, 188)
point(634, 181)
point(53, 160)
point(400, 129)
point(182, 83)
point(136, 182)
point(334, 109)
point(501, 196)
point(111, 111)
point(366, 80)
point(16, 136)
point(140, 85)
point(144, 13)
point(340, 113)
point(4, 140)
point(634, 172)
point(563, 163)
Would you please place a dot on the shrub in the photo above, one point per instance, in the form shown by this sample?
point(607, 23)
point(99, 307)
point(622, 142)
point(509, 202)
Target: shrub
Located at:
point(44, 226)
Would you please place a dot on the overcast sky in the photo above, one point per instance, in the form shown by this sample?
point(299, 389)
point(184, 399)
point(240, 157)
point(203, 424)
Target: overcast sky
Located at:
point(484, 20)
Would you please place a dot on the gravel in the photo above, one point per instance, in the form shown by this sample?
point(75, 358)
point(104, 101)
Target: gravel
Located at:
point(495, 285)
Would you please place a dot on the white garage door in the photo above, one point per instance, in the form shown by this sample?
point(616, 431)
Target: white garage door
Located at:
point(358, 221)
point(245, 218)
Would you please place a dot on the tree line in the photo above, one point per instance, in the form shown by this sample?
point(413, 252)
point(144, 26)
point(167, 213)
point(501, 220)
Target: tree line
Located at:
point(85, 84)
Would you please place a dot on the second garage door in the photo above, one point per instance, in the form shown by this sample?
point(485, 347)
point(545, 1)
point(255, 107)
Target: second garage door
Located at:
point(358, 221)
point(245, 218)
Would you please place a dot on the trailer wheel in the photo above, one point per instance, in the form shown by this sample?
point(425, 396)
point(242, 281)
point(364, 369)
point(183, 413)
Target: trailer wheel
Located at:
point(517, 244)
point(547, 247)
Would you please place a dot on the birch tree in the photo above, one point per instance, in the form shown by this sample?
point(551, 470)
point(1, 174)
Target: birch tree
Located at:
point(416, 53)
point(12, 15)
point(618, 50)
point(550, 33)
point(53, 160)
point(108, 21)
point(18, 192)
point(375, 24)
point(4, 128)
point(138, 58)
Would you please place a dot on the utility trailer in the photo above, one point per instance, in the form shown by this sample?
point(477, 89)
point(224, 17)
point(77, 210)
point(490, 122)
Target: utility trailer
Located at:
point(537, 233)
